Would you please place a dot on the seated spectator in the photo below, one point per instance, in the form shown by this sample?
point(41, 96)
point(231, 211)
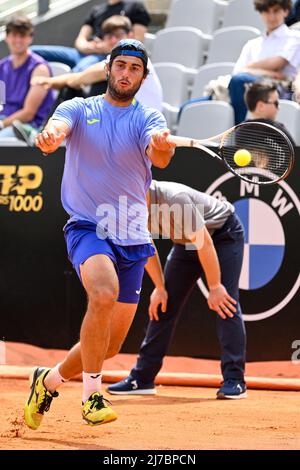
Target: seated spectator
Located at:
point(262, 100)
point(92, 81)
point(90, 46)
point(26, 103)
point(274, 54)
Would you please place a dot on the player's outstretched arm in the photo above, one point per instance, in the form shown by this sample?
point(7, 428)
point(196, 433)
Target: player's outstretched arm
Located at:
point(52, 136)
point(160, 150)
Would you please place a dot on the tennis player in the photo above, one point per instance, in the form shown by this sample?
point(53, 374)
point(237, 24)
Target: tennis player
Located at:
point(112, 141)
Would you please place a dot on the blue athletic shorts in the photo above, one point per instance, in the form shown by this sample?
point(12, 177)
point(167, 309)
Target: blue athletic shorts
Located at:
point(129, 261)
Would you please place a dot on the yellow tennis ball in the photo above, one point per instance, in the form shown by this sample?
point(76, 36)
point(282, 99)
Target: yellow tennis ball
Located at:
point(242, 157)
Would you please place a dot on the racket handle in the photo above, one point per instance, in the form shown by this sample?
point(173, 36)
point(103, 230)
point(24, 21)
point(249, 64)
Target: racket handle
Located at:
point(181, 141)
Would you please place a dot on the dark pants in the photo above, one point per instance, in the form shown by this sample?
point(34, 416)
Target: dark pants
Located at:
point(182, 271)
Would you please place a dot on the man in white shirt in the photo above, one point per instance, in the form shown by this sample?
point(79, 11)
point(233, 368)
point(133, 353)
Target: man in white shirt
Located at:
point(274, 54)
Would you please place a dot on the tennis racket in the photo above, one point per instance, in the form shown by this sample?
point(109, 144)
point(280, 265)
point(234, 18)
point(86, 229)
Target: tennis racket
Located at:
point(255, 152)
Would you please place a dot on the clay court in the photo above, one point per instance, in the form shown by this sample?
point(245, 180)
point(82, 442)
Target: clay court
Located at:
point(176, 418)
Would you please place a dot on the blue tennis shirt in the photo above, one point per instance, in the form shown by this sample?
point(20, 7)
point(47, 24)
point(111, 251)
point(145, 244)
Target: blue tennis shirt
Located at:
point(107, 172)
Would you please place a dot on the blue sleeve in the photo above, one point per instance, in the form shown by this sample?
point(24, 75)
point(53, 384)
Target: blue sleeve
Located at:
point(154, 122)
point(68, 112)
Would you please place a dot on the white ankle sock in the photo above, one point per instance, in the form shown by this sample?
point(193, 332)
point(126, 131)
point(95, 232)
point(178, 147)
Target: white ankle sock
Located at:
point(91, 384)
point(54, 379)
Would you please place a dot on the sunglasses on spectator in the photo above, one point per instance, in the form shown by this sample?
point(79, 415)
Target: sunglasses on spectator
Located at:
point(275, 103)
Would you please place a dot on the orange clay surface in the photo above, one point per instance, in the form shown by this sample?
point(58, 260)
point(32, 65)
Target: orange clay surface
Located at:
point(176, 418)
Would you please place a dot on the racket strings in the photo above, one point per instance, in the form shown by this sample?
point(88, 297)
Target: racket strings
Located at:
point(269, 150)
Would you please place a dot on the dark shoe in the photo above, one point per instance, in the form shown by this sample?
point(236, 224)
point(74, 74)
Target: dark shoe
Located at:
point(129, 386)
point(232, 389)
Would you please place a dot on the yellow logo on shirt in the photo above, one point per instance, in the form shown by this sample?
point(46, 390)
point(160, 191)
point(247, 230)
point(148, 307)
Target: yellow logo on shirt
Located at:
point(92, 121)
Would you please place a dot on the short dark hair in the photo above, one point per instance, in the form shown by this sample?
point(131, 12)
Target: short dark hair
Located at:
point(19, 24)
point(258, 91)
point(264, 5)
point(116, 22)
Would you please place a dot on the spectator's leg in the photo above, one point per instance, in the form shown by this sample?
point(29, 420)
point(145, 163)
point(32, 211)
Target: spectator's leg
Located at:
point(229, 244)
point(236, 91)
point(87, 61)
point(66, 55)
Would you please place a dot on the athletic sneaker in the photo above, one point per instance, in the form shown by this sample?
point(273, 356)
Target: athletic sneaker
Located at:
point(95, 410)
point(129, 386)
point(232, 389)
point(39, 399)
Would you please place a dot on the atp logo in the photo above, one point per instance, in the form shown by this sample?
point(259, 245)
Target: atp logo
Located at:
point(270, 215)
point(17, 184)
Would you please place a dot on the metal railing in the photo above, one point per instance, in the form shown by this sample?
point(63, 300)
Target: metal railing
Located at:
point(32, 8)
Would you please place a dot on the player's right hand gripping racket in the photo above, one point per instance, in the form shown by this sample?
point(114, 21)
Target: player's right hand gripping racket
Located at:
point(255, 152)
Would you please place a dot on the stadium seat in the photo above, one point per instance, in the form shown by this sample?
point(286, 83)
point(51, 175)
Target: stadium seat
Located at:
point(148, 42)
point(242, 13)
point(227, 43)
point(58, 68)
point(289, 115)
point(204, 14)
point(205, 119)
point(174, 82)
point(207, 73)
point(182, 45)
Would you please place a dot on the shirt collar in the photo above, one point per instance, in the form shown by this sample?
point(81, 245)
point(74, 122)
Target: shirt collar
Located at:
point(278, 32)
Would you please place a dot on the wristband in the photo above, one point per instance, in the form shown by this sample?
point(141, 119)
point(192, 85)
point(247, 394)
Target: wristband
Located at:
point(1, 125)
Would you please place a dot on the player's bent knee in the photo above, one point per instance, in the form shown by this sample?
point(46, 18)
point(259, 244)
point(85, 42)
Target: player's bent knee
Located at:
point(102, 298)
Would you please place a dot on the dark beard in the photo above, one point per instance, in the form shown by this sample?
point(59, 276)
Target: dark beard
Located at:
point(121, 95)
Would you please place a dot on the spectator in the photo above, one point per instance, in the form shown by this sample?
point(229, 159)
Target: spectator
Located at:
point(262, 100)
point(74, 84)
point(274, 54)
point(89, 44)
point(24, 102)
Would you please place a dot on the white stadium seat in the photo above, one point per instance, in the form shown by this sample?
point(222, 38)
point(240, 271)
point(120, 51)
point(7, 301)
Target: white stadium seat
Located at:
point(289, 115)
point(209, 72)
point(201, 14)
point(182, 45)
point(227, 43)
point(205, 119)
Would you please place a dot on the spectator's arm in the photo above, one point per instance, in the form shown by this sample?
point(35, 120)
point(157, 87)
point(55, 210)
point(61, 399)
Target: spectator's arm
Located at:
point(139, 31)
point(57, 82)
point(273, 64)
point(85, 44)
point(94, 73)
point(266, 73)
point(33, 100)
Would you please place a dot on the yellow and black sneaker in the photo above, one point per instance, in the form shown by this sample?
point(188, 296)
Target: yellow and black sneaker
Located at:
point(95, 410)
point(39, 399)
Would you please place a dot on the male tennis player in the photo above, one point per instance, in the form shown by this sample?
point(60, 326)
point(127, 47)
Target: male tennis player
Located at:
point(111, 140)
point(218, 235)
